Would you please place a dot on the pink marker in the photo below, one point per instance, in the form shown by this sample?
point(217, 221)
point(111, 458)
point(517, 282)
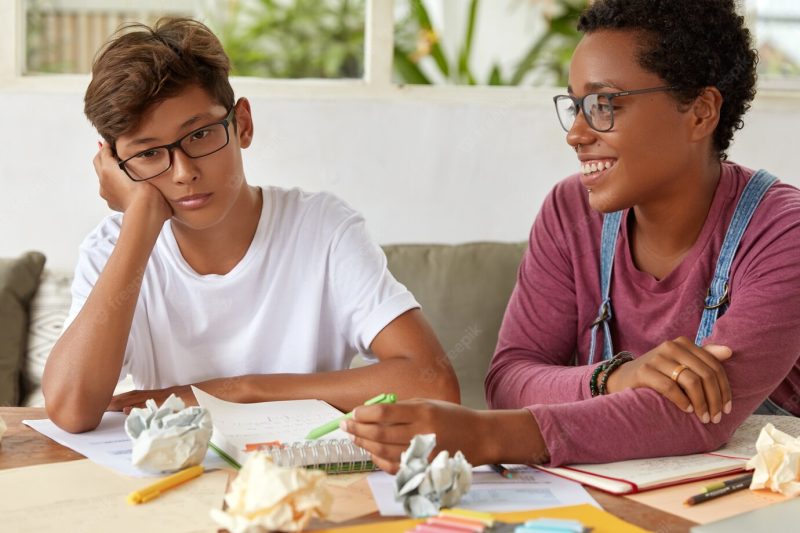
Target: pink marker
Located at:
point(432, 528)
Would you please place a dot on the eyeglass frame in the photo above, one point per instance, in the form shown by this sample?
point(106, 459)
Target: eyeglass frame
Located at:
point(578, 102)
point(177, 144)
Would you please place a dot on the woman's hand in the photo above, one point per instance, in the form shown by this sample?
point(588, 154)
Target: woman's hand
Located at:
point(119, 191)
point(702, 387)
point(385, 430)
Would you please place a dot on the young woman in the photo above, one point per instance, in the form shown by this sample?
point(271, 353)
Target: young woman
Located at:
point(659, 250)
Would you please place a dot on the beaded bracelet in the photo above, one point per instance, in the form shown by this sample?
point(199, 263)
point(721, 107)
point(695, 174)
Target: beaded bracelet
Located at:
point(620, 359)
point(607, 366)
point(593, 381)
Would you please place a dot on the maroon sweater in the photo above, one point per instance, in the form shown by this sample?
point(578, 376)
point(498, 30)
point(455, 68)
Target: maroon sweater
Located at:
point(547, 324)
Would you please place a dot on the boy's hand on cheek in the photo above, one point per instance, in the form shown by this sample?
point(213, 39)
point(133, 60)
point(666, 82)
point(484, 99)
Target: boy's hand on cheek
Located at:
point(120, 192)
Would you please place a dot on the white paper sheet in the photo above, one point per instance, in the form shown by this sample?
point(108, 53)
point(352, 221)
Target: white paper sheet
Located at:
point(107, 445)
point(288, 421)
point(490, 492)
point(285, 421)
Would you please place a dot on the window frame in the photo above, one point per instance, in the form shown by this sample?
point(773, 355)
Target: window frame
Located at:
point(378, 46)
point(377, 82)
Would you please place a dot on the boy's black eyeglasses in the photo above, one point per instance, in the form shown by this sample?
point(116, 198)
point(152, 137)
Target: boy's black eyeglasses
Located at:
point(201, 142)
point(598, 108)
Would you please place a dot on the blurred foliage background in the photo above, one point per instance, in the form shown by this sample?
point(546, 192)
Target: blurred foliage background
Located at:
point(289, 39)
point(324, 39)
point(297, 39)
point(546, 60)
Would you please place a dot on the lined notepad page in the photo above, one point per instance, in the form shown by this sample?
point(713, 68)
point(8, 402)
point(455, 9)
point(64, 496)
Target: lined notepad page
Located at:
point(285, 421)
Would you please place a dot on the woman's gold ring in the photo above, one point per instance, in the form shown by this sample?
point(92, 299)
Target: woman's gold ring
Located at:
point(677, 372)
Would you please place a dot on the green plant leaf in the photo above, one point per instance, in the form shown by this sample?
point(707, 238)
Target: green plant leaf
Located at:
point(529, 61)
point(466, 50)
point(495, 77)
point(408, 71)
point(436, 50)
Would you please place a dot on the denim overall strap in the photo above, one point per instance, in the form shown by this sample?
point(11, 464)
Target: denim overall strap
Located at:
point(771, 408)
point(608, 246)
point(717, 300)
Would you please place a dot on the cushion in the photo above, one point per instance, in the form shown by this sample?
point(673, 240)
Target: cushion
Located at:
point(463, 290)
point(47, 312)
point(18, 281)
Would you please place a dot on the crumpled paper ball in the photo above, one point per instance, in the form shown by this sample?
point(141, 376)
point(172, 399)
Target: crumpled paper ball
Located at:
point(777, 462)
point(426, 488)
point(2, 427)
point(266, 497)
point(169, 437)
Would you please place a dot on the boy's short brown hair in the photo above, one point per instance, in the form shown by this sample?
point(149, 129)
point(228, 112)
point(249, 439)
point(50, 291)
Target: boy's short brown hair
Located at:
point(142, 66)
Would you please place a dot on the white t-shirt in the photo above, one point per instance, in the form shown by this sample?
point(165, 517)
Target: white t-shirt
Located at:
point(312, 291)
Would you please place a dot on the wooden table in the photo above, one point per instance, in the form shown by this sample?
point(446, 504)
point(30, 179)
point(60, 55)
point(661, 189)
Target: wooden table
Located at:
point(22, 446)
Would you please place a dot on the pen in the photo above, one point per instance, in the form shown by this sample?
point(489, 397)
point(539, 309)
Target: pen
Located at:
point(154, 491)
point(735, 485)
point(503, 471)
point(720, 484)
point(334, 424)
point(224, 456)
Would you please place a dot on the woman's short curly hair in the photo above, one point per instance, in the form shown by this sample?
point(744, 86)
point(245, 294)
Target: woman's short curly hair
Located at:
point(691, 44)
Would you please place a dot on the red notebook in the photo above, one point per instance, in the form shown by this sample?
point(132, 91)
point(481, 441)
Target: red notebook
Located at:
point(628, 477)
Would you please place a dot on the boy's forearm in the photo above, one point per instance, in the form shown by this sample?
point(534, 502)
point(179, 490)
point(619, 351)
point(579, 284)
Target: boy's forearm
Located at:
point(344, 389)
point(84, 365)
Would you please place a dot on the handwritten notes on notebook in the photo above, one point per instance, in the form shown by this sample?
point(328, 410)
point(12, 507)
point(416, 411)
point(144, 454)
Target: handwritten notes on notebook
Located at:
point(625, 477)
point(239, 424)
point(286, 421)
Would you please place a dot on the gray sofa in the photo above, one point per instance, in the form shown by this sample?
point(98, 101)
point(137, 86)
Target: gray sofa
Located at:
point(463, 290)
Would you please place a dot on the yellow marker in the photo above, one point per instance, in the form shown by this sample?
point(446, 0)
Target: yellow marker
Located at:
point(154, 491)
point(486, 518)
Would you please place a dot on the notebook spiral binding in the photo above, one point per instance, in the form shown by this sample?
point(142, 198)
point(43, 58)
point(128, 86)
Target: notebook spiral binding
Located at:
point(335, 456)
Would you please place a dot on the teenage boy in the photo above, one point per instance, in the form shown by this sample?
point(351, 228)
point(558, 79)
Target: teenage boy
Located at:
point(250, 294)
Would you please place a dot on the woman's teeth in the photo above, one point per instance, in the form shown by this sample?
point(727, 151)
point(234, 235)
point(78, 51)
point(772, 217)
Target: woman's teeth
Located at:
point(589, 168)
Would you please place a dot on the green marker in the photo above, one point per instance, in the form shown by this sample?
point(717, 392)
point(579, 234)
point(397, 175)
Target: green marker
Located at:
point(333, 425)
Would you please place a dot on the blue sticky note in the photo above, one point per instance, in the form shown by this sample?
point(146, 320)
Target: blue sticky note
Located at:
point(550, 525)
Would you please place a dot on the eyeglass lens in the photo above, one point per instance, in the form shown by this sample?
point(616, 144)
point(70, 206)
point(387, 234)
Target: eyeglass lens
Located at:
point(596, 108)
point(199, 143)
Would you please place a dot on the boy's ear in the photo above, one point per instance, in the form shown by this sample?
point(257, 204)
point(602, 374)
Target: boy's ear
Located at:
point(244, 122)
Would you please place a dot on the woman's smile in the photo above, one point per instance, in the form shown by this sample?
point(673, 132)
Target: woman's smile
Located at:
point(593, 169)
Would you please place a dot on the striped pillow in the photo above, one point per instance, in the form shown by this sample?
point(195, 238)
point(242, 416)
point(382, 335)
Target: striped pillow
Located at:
point(48, 310)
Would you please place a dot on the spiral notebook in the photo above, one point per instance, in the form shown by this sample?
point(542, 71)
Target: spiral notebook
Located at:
point(279, 429)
